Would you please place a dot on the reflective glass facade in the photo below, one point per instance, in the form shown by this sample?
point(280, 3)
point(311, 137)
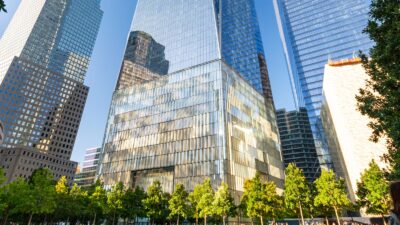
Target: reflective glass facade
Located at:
point(44, 55)
point(57, 34)
point(181, 112)
point(241, 42)
point(195, 32)
point(205, 121)
point(186, 28)
point(313, 31)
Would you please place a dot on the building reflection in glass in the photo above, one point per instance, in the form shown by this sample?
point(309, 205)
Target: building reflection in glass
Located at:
point(144, 60)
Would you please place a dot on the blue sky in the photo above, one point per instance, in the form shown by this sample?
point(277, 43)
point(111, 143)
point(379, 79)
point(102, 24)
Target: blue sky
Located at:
point(107, 57)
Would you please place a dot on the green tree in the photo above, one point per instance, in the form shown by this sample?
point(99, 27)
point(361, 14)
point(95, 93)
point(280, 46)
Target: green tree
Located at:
point(205, 207)
point(331, 193)
point(2, 6)
point(63, 207)
point(178, 204)
point(114, 200)
point(15, 195)
point(223, 203)
point(156, 202)
point(41, 197)
point(261, 199)
point(79, 200)
point(273, 202)
point(3, 204)
point(252, 200)
point(380, 98)
point(3, 177)
point(373, 191)
point(132, 202)
point(97, 202)
point(194, 199)
point(297, 192)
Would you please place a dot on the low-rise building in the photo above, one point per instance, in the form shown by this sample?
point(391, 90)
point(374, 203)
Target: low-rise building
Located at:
point(21, 162)
point(87, 175)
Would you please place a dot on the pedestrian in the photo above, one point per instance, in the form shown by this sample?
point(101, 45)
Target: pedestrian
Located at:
point(395, 194)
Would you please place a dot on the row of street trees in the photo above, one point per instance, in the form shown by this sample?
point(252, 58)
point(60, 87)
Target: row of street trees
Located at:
point(42, 200)
point(328, 195)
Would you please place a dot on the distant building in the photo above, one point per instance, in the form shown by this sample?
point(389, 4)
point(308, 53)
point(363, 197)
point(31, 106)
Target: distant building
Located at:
point(346, 129)
point(44, 55)
point(297, 142)
point(87, 175)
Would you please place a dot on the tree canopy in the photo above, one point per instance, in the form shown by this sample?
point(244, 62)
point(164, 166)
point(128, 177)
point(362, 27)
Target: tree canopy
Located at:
point(261, 199)
point(373, 191)
point(132, 203)
point(297, 190)
point(206, 200)
point(380, 98)
point(156, 202)
point(114, 200)
point(331, 193)
point(178, 204)
point(224, 204)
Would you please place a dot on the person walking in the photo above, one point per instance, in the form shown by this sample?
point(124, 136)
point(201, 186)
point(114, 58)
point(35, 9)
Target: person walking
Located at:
point(395, 194)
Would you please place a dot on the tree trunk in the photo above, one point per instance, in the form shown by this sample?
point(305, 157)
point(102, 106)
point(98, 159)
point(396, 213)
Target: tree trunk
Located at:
point(94, 219)
point(177, 221)
point(262, 221)
point(301, 213)
point(337, 215)
point(205, 220)
point(326, 219)
point(45, 220)
point(383, 218)
point(30, 219)
point(197, 220)
point(223, 220)
point(113, 218)
point(6, 217)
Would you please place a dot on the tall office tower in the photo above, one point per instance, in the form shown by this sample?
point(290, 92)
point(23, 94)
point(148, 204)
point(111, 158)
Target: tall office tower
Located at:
point(297, 142)
point(313, 31)
point(346, 128)
point(192, 99)
point(87, 176)
point(44, 55)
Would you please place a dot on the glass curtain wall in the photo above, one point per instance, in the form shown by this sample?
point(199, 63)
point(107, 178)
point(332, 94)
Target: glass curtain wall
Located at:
point(313, 32)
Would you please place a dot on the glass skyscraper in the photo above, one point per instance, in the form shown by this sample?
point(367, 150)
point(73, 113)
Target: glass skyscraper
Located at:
point(44, 55)
point(193, 99)
point(312, 32)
